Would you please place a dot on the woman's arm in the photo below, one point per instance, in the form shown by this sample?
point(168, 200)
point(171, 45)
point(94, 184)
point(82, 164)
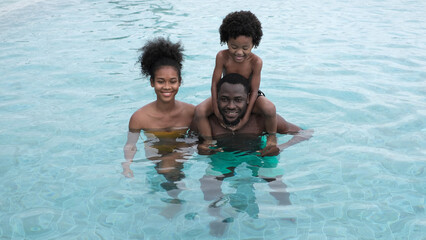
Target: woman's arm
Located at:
point(130, 152)
point(130, 146)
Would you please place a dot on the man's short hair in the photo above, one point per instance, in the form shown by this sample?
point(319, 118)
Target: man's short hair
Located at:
point(234, 78)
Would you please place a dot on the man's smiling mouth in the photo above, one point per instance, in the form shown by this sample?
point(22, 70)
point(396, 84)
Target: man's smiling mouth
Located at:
point(231, 114)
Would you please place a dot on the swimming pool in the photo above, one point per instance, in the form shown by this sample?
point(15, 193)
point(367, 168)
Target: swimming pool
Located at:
point(352, 70)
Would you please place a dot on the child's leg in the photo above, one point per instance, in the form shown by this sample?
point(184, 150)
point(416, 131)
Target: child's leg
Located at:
point(267, 109)
point(202, 112)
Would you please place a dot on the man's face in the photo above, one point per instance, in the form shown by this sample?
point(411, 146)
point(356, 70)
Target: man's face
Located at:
point(232, 101)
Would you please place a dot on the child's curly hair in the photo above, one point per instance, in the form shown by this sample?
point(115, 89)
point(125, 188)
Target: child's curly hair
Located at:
point(160, 52)
point(241, 23)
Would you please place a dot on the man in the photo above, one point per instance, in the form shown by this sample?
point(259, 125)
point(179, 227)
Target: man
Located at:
point(233, 151)
point(232, 100)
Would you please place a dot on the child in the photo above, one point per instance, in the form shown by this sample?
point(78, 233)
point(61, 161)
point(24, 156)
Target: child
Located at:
point(241, 31)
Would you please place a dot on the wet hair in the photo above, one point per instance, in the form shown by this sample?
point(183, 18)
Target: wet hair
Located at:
point(241, 23)
point(234, 78)
point(160, 52)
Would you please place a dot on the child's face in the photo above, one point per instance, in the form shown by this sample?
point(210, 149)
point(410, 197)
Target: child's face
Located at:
point(240, 48)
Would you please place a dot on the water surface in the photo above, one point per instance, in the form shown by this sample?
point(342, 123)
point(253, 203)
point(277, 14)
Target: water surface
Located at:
point(352, 70)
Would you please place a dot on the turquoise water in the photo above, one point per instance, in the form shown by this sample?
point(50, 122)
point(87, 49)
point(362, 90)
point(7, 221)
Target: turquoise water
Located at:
point(354, 71)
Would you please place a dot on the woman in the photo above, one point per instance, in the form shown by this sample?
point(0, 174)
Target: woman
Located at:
point(164, 121)
point(161, 60)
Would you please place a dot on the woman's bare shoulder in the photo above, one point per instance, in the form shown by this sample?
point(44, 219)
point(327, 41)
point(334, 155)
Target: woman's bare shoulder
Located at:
point(141, 117)
point(187, 108)
point(187, 105)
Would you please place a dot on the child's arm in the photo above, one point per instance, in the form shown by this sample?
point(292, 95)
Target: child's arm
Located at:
point(254, 85)
point(209, 106)
point(217, 74)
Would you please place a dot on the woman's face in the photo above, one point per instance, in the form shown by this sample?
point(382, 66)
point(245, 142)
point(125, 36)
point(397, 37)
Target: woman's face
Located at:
point(166, 83)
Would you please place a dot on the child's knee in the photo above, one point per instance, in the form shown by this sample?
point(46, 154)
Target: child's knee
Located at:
point(269, 109)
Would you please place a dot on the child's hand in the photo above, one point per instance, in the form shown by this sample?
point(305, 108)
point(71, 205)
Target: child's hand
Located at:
point(220, 119)
point(219, 116)
point(239, 125)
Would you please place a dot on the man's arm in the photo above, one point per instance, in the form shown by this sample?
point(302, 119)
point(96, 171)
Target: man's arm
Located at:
point(208, 146)
point(300, 136)
point(285, 127)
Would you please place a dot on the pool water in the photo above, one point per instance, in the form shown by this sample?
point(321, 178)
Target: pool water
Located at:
point(354, 71)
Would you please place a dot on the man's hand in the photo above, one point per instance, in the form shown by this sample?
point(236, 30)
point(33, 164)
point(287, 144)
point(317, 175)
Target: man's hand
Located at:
point(271, 150)
point(208, 148)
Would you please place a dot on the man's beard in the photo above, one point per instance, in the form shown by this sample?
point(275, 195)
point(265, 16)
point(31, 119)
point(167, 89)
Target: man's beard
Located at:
point(233, 123)
point(228, 123)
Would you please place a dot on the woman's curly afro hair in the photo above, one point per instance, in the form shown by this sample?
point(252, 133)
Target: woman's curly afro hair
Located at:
point(160, 52)
point(241, 23)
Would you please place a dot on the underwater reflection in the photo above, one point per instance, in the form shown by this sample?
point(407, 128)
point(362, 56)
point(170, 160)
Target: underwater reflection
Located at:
point(168, 150)
point(241, 164)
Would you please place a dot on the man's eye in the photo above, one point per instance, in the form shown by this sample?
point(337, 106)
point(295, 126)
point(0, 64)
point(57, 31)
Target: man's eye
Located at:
point(223, 99)
point(238, 100)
